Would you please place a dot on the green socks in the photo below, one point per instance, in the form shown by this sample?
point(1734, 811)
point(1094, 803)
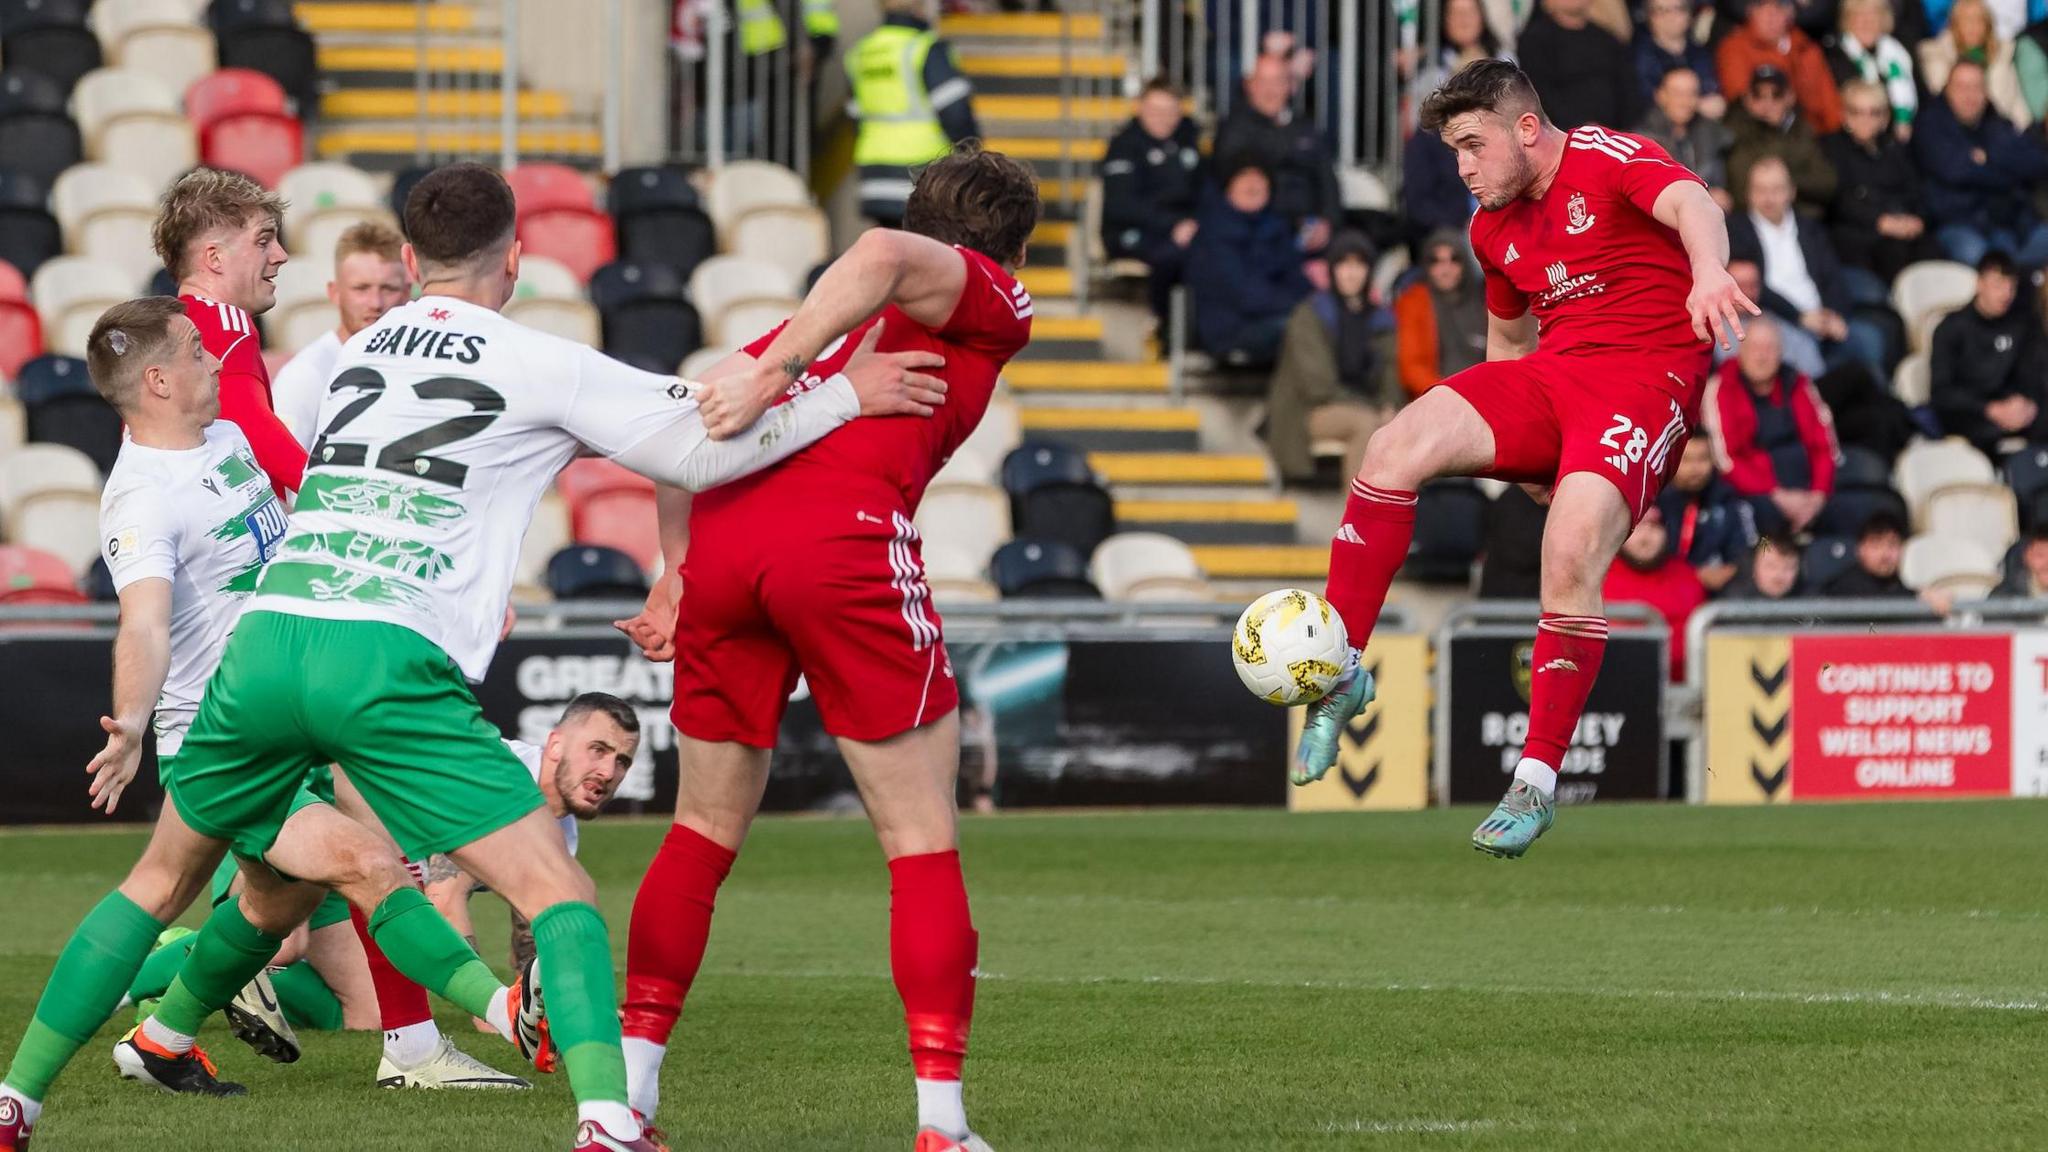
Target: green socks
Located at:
point(422, 944)
point(228, 954)
point(582, 999)
point(92, 972)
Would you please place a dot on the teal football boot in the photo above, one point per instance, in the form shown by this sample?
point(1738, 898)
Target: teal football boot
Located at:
point(1317, 752)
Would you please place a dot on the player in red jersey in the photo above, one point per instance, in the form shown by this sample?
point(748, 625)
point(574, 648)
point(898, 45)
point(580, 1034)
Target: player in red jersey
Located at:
point(1618, 255)
point(814, 566)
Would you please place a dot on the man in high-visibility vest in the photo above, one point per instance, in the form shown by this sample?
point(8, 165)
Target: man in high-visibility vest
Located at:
point(913, 103)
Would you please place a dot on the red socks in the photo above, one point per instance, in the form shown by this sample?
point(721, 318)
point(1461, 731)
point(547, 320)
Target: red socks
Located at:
point(1563, 667)
point(671, 924)
point(400, 1002)
point(1369, 548)
point(932, 947)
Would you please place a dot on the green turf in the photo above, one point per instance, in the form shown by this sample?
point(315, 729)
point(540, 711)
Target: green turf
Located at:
point(1649, 978)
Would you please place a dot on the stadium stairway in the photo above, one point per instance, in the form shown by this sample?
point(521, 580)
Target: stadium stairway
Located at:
point(370, 106)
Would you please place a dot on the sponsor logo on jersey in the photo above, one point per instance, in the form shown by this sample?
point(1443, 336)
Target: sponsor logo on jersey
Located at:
point(1565, 286)
point(1512, 255)
point(439, 315)
point(207, 483)
point(1581, 220)
point(126, 540)
point(266, 525)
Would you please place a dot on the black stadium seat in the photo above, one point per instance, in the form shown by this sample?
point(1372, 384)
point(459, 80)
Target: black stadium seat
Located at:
point(50, 37)
point(227, 14)
point(595, 572)
point(285, 54)
point(163, 283)
point(1030, 569)
point(1825, 559)
point(28, 233)
point(402, 186)
point(647, 312)
point(63, 408)
point(1862, 468)
point(2027, 472)
point(1450, 522)
point(37, 135)
point(1849, 507)
point(1054, 495)
point(659, 218)
point(98, 583)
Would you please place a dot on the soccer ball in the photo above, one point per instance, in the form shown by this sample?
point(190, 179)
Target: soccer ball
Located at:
point(1289, 647)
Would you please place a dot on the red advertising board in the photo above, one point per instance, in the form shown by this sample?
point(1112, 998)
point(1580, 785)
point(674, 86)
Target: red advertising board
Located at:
point(1926, 714)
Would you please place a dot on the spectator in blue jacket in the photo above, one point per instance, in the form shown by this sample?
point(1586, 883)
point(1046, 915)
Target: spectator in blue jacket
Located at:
point(1433, 196)
point(1666, 42)
point(1244, 270)
point(1981, 173)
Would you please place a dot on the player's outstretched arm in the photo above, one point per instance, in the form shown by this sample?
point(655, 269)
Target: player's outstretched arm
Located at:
point(653, 631)
point(142, 658)
point(1716, 304)
point(920, 276)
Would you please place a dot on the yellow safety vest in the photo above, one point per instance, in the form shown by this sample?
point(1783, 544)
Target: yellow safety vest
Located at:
point(897, 124)
point(821, 18)
point(761, 28)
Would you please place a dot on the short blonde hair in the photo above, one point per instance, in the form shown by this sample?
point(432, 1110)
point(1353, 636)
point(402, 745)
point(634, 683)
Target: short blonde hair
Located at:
point(1882, 7)
point(378, 239)
point(207, 200)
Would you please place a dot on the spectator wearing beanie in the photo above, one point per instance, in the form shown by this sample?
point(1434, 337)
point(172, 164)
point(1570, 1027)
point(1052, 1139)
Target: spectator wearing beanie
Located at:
point(1440, 319)
point(1335, 380)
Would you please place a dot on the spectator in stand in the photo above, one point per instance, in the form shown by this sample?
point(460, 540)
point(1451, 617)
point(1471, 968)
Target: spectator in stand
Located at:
point(1582, 73)
point(1263, 130)
point(1433, 196)
point(1152, 177)
point(1990, 365)
point(1770, 434)
point(1801, 352)
point(1692, 139)
point(1336, 375)
point(1768, 39)
point(1667, 44)
point(1767, 123)
point(1645, 572)
point(1511, 546)
point(2028, 579)
point(1865, 50)
point(1772, 573)
point(1880, 545)
point(1877, 221)
point(1440, 319)
point(1969, 36)
point(1980, 174)
point(1709, 529)
point(1244, 272)
point(1465, 38)
point(1803, 280)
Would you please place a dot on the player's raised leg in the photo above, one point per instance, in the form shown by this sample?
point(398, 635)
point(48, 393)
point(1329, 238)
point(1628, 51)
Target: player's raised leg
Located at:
point(1440, 434)
point(1588, 520)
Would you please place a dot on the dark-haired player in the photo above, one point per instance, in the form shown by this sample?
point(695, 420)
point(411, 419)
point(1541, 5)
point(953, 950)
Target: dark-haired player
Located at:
point(1621, 256)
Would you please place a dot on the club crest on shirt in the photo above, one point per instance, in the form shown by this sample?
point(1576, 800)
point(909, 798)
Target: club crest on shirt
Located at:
point(1581, 220)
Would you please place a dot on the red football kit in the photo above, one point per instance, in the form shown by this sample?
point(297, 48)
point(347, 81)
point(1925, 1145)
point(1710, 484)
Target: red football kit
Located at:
point(229, 333)
point(1614, 385)
point(814, 565)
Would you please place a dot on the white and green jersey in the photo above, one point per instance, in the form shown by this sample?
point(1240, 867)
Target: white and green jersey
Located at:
point(204, 519)
point(442, 425)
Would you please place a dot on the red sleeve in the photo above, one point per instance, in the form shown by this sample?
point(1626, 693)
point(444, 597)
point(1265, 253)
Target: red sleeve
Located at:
point(994, 312)
point(760, 344)
point(1731, 430)
point(1503, 299)
point(245, 401)
point(1647, 172)
point(1817, 432)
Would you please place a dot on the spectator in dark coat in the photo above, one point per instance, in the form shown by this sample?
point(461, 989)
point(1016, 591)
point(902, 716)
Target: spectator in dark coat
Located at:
point(1433, 196)
point(1880, 545)
point(1710, 530)
point(2028, 579)
point(1876, 221)
point(1772, 572)
point(1981, 173)
point(1766, 123)
point(1693, 140)
point(1511, 547)
point(1666, 42)
point(1771, 434)
point(1582, 73)
point(1803, 281)
point(1152, 178)
point(1990, 365)
point(1244, 271)
point(1262, 129)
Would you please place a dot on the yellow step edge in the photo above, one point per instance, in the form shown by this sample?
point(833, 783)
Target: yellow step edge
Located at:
point(1046, 281)
point(1048, 147)
point(1051, 109)
point(1110, 419)
point(1025, 25)
point(1208, 511)
point(1084, 376)
point(544, 141)
point(405, 58)
point(1245, 561)
point(1051, 232)
point(1062, 191)
point(1179, 468)
point(1027, 67)
point(1066, 327)
point(404, 104)
point(318, 18)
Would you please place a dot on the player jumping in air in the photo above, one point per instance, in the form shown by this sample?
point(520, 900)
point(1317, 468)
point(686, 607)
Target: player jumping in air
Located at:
point(815, 567)
point(444, 424)
point(1620, 256)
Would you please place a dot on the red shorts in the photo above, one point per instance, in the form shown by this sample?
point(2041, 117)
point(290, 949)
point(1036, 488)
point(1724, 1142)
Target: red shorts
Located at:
point(839, 596)
point(1626, 420)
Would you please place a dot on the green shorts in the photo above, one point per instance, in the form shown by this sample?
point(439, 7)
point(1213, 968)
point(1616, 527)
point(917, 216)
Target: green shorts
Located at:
point(295, 692)
point(316, 788)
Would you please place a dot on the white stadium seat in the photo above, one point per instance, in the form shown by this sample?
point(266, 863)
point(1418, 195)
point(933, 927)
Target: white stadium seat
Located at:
point(547, 534)
point(319, 233)
point(793, 237)
point(303, 281)
point(1927, 290)
point(131, 120)
point(1986, 513)
point(85, 189)
point(697, 363)
point(543, 279)
point(956, 576)
point(1928, 466)
point(741, 321)
point(1931, 558)
point(69, 293)
point(64, 523)
point(739, 185)
point(724, 280)
point(13, 423)
point(967, 468)
point(967, 519)
point(1000, 430)
point(29, 472)
point(1913, 380)
point(1128, 563)
point(570, 319)
point(158, 37)
point(313, 190)
point(301, 326)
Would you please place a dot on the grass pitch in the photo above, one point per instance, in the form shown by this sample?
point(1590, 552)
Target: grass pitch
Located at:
point(1650, 977)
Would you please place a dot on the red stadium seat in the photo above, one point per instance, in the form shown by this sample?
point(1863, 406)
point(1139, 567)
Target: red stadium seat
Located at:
point(623, 519)
point(547, 187)
point(21, 336)
point(592, 476)
point(33, 576)
point(233, 92)
point(13, 286)
point(261, 145)
point(582, 239)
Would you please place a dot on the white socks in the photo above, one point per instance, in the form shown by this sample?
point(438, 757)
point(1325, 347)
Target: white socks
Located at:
point(31, 1110)
point(1537, 775)
point(643, 1074)
point(176, 1043)
point(412, 1044)
point(939, 1106)
point(500, 1013)
point(616, 1119)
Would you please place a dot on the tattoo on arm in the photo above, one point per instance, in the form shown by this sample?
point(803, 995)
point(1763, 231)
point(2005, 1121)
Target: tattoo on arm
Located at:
point(793, 366)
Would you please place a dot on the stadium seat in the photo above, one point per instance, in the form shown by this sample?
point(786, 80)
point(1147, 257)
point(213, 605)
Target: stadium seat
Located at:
point(970, 520)
point(163, 283)
point(1924, 291)
point(1913, 380)
point(1928, 466)
point(304, 326)
point(542, 187)
point(1000, 431)
point(592, 572)
point(63, 407)
point(660, 219)
point(29, 235)
point(108, 215)
point(955, 578)
point(1932, 558)
point(13, 424)
point(1824, 559)
point(51, 37)
point(793, 237)
point(546, 534)
point(284, 52)
point(966, 468)
point(611, 506)
point(1032, 569)
point(32, 576)
point(1054, 495)
point(231, 14)
point(302, 282)
point(21, 337)
point(160, 37)
point(71, 292)
point(542, 278)
point(1861, 467)
point(402, 186)
point(722, 281)
point(1128, 565)
point(581, 239)
point(1450, 522)
point(63, 523)
point(697, 363)
point(739, 185)
point(32, 470)
point(744, 321)
point(98, 583)
point(13, 285)
point(570, 319)
point(37, 134)
point(233, 92)
point(317, 235)
point(261, 145)
point(1986, 513)
point(2026, 472)
point(315, 189)
point(646, 311)
point(132, 121)
point(1851, 506)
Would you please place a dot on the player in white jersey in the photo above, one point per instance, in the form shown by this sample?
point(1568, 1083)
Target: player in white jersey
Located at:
point(369, 280)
